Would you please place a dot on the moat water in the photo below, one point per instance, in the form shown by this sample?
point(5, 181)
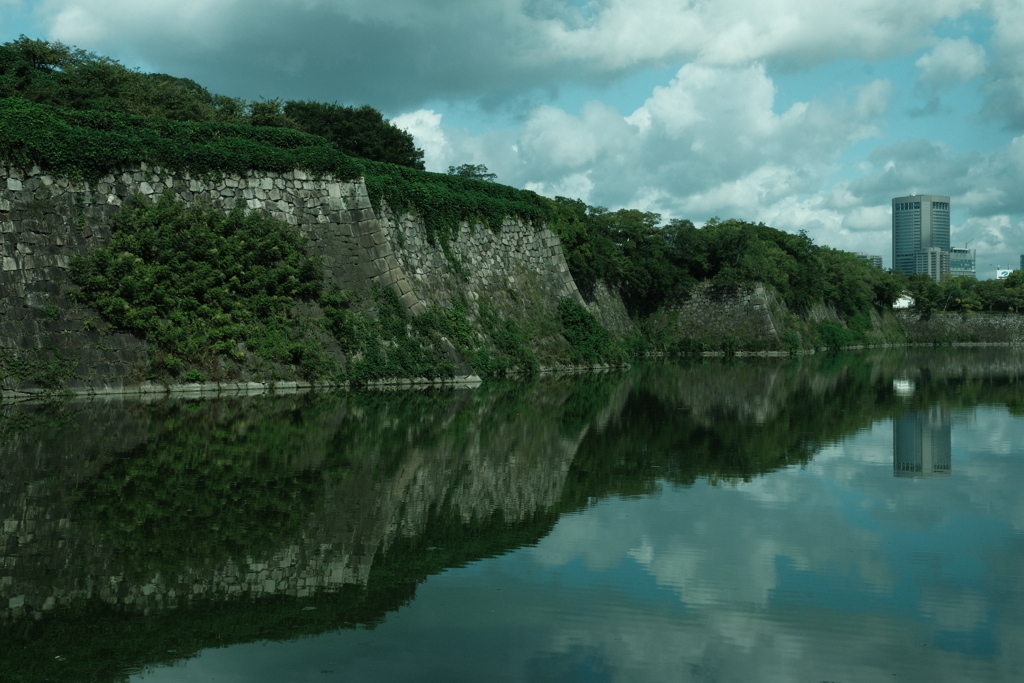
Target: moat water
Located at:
point(843, 518)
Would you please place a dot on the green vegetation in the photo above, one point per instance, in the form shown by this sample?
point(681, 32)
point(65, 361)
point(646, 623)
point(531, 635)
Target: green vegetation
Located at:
point(356, 131)
point(90, 144)
point(204, 286)
point(966, 294)
point(390, 343)
point(477, 171)
point(84, 116)
point(221, 294)
point(46, 368)
point(653, 264)
point(590, 342)
point(56, 75)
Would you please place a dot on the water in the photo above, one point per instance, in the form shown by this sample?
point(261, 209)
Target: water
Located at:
point(835, 518)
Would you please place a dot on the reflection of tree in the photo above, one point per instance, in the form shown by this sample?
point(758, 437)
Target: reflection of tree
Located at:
point(404, 485)
point(724, 421)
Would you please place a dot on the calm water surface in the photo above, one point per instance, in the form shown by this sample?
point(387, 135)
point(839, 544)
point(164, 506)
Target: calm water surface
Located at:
point(846, 518)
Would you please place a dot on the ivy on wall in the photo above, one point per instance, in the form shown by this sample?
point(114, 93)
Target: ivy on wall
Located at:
point(198, 282)
point(87, 145)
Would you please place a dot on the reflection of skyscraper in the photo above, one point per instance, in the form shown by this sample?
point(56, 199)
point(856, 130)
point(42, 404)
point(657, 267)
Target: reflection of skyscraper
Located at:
point(921, 443)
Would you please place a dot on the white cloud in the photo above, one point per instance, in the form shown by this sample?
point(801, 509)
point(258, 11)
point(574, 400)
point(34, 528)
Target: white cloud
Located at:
point(425, 127)
point(402, 53)
point(576, 186)
point(951, 62)
point(709, 142)
point(869, 218)
point(1006, 85)
point(732, 32)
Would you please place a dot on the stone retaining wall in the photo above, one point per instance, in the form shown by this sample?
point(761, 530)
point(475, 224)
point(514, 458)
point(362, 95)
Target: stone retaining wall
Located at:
point(45, 221)
point(714, 313)
point(945, 328)
point(499, 264)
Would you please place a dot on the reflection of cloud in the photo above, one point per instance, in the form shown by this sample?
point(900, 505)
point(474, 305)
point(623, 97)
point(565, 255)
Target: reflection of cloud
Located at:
point(954, 610)
point(763, 561)
point(832, 572)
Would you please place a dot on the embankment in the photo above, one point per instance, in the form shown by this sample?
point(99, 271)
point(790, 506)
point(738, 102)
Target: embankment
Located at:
point(963, 328)
point(50, 341)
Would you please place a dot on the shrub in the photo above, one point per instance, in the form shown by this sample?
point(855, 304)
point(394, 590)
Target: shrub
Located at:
point(590, 342)
point(195, 281)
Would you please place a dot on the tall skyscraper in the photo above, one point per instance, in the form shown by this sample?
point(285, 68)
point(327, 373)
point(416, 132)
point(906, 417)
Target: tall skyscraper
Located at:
point(920, 231)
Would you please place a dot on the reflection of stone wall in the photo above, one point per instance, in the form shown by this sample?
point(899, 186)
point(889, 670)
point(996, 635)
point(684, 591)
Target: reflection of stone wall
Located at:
point(749, 392)
point(470, 451)
point(959, 363)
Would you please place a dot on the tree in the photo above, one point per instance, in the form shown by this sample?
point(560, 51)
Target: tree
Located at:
point(474, 171)
point(357, 131)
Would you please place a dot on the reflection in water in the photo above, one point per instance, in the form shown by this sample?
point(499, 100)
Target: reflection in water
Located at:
point(921, 443)
point(135, 536)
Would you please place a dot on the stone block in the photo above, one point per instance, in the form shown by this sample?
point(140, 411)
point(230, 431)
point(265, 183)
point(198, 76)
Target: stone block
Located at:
point(410, 299)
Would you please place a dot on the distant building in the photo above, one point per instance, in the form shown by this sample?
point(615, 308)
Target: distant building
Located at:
point(920, 230)
point(905, 301)
point(1022, 261)
point(962, 262)
point(876, 261)
point(933, 262)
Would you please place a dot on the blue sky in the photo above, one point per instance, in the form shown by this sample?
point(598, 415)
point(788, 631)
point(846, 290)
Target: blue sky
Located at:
point(804, 114)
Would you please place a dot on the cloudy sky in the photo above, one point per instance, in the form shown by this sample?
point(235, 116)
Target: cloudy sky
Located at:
point(804, 114)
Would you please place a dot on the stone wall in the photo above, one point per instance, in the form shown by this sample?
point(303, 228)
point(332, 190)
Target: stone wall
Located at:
point(947, 328)
point(714, 313)
point(483, 261)
point(607, 306)
point(45, 221)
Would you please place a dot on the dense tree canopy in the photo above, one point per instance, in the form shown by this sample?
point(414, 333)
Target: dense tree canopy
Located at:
point(474, 171)
point(60, 76)
point(651, 263)
point(357, 131)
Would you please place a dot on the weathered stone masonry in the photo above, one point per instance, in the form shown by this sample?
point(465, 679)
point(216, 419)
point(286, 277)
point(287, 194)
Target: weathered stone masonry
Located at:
point(45, 220)
point(716, 312)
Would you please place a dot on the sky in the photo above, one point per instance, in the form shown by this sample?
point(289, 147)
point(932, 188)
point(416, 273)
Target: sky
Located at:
point(803, 114)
